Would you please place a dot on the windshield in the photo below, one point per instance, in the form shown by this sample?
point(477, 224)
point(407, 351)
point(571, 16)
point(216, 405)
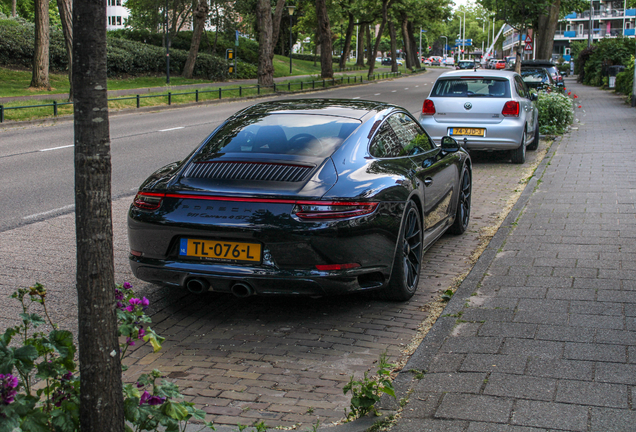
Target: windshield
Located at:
point(534, 75)
point(472, 87)
point(466, 64)
point(291, 134)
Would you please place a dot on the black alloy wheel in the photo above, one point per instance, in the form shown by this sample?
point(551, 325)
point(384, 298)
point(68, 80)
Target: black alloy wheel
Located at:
point(518, 155)
point(462, 215)
point(408, 257)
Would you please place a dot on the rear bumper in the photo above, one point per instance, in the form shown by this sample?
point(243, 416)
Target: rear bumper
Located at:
point(263, 281)
point(500, 136)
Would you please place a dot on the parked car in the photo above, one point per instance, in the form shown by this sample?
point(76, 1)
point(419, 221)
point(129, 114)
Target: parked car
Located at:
point(308, 197)
point(549, 66)
point(387, 61)
point(465, 64)
point(449, 61)
point(484, 110)
point(499, 64)
point(426, 61)
point(537, 78)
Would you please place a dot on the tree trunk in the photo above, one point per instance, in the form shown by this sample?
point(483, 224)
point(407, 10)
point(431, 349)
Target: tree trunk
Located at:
point(66, 16)
point(394, 66)
point(360, 44)
point(405, 34)
point(101, 398)
point(40, 75)
point(14, 4)
point(265, 71)
point(544, 32)
point(200, 16)
point(370, 54)
point(519, 54)
point(347, 43)
point(415, 57)
point(324, 32)
point(385, 12)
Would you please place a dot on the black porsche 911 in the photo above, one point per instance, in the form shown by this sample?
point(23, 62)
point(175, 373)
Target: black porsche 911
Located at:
point(310, 197)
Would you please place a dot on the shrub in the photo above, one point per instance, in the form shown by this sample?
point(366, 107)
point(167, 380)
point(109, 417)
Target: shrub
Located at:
point(149, 404)
point(625, 79)
point(607, 52)
point(556, 113)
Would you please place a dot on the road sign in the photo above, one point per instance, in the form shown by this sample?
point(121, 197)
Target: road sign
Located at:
point(528, 46)
point(229, 54)
point(528, 39)
point(236, 40)
point(465, 42)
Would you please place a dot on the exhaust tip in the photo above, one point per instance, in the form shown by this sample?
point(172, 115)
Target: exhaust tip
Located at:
point(197, 285)
point(242, 290)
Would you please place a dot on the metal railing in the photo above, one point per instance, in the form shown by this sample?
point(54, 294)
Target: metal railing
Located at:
point(290, 86)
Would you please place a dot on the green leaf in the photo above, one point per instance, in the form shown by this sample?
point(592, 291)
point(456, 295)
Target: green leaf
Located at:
point(174, 410)
point(154, 339)
point(34, 319)
point(63, 420)
point(36, 422)
point(7, 362)
point(62, 341)
point(8, 335)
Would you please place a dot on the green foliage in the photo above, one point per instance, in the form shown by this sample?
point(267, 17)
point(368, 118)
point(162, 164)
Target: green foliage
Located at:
point(593, 62)
point(366, 393)
point(555, 112)
point(447, 295)
point(625, 79)
point(125, 57)
point(149, 405)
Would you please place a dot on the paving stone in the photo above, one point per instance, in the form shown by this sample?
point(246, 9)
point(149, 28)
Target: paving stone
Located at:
point(481, 314)
point(485, 345)
point(507, 329)
point(534, 348)
point(570, 294)
point(521, 387)
point(474, 407)
point(543, 305)
point(621, 337)
point(462, 382)
point(618, 373)
point(515, 364)
point(557, 368)
point(596, 308)
point(565, 334)
point(541, 318)
point(430, 425)
point(597, 321)
point(494, 427)
point(598, 352)
point(612, 420)
point(444, 362)
point(592, 393)
point(523, 292)
point(550, 415)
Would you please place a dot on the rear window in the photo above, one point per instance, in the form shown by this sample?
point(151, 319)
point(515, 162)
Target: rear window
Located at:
point(291, 134)
point(472, 87)
point(534, 75)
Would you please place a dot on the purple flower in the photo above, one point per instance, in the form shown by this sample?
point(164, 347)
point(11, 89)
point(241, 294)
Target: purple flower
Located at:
point(8, 384)
point(120, 305)
point(127, 285)
point(67, 376)
point(139, 385)
point(119, 295)
point(130, 342)
point(145, 302)
point(142, 333)
point(147, 398)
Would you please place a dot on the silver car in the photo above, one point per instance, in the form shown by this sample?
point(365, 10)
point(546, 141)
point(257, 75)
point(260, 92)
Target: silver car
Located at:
point(483, 110)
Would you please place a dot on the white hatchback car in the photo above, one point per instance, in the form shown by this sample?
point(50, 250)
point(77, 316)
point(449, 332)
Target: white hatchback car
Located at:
point(483, 110)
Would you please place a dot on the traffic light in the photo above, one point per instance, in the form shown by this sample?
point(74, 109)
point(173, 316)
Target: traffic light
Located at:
point(429, 47)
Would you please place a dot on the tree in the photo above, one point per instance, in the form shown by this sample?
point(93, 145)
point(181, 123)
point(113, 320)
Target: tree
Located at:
point(347, 42)
point(267, 28)
point(101, 396)
point(40, 73)
point(545, 25)
point(200, 17)
point(66, 16)
point(386, 4)
point(394, 66)
point(324, 39)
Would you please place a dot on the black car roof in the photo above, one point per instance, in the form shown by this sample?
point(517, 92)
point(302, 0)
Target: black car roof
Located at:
point(537, 63)
point(337, 107)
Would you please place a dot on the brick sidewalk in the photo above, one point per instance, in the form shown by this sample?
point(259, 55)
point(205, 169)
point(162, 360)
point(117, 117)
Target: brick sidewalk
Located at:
point(542, 334)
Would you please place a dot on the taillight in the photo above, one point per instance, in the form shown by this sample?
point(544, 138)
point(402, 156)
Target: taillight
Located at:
point(332, 210)
point(428, 108)
point(327, 267)
point(511, 109)
point(148, 200)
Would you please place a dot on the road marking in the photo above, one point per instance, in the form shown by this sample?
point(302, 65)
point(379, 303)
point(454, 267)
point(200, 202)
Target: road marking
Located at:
point(377, 94)
point(393, 91)
point(416, 86)
point(37, 215)
point(57, 148)
point(171, 129)
point(357, 97)
point(406, 88)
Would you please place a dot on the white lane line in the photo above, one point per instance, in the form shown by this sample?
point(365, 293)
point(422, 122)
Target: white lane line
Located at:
point(406, 88)
point(357, 97)
point(57, 148)
point(393, 91)
point(377, 94)
point(416, 86)
point(37, 215)
point(171, 129)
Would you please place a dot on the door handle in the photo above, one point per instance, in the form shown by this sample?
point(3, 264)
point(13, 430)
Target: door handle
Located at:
point(428, 181)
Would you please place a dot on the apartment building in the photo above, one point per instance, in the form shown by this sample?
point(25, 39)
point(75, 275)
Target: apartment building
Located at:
point(116, 14)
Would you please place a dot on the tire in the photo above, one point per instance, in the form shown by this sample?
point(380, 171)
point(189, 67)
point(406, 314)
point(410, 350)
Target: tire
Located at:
point(535, 142)
point(518, 155)
point(462, 214)
point(408, 257)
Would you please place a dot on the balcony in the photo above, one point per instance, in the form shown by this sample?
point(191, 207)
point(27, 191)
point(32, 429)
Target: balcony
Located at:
point(596, 33)
point(602, 14)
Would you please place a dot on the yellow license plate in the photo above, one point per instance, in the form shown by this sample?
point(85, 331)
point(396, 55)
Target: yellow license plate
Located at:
point(468, 131)
point(220, 250)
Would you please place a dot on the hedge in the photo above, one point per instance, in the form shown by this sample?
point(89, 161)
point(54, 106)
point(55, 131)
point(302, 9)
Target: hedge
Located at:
point(594, 61)
point(124, 57)
point(625, 79)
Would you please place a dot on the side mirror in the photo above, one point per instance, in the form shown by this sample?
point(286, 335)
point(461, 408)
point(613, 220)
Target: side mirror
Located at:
point(449, 144)
point(533, 96)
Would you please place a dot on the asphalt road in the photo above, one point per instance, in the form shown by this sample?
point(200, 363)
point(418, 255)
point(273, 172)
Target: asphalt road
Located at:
point(36, 162)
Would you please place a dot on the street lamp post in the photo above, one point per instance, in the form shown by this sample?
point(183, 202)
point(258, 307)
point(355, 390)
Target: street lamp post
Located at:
point(464, 37)
point(591, 24)
point(167, 48)
point(290, 9)
point(445, 44)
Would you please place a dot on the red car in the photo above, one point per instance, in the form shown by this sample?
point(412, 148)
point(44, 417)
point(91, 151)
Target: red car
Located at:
point(500, 64)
